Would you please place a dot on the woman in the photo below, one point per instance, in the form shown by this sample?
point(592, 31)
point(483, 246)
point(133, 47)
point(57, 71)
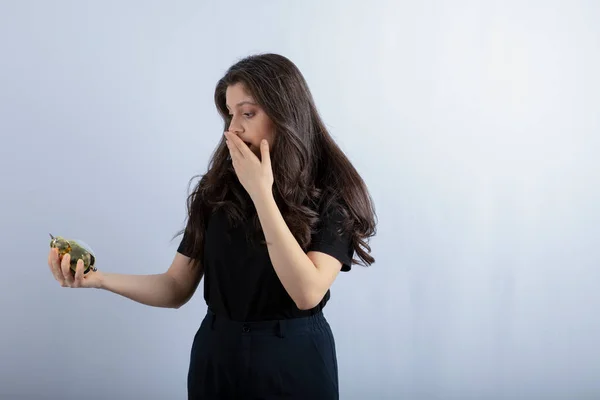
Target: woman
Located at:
point(278, 214)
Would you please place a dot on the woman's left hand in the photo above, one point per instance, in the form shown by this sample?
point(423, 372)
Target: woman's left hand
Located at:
point(255, 175)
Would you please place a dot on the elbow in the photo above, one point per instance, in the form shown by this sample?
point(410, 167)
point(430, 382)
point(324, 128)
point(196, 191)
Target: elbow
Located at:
point(180, 303)
point(177, 306)
point(179, 294)
point(308, 301)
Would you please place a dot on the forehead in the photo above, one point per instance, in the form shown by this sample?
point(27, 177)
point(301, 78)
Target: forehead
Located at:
point(237, 93)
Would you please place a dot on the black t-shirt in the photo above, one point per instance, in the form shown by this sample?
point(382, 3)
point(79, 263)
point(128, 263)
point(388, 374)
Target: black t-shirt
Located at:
point(239, 279)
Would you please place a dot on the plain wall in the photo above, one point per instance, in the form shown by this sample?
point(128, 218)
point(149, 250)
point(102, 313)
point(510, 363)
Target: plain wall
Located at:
point(474, 124)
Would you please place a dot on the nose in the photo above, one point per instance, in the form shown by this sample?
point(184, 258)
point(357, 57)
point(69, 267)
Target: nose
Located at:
point(235, 126)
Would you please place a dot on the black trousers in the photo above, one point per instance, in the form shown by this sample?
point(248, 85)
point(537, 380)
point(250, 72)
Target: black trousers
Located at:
point(283, 359)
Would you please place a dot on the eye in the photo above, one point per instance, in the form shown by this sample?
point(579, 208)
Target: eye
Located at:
point(247, 115)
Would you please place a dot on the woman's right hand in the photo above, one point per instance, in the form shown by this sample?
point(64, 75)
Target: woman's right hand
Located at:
point(63, 275)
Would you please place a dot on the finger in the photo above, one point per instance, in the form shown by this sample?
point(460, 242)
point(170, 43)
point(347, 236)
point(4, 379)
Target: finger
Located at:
point(229, 148)
point(66, 269)
point(55, 266)
point(50, 258)
point(78, 280)
point(238, 145)
point(236, 156)
point(264, 152)
point(233, 149)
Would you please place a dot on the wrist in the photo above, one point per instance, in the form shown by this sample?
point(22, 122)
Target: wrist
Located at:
point(263, 196)
point(99, 281)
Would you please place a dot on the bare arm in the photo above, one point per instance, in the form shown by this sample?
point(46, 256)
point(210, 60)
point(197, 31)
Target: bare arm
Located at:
point(306, 277)
point(171, 289)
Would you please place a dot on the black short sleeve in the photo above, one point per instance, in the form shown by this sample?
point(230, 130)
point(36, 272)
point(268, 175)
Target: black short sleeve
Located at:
point(184, 247)
point(327, 239)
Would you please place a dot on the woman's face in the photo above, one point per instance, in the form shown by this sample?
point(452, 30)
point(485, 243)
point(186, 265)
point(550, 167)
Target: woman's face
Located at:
point(248, 119)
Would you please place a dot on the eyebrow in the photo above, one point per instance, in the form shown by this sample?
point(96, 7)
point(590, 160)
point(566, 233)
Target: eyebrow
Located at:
point(242, 103)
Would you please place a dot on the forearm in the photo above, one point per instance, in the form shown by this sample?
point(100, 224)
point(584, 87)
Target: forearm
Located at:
point(297, 273)
point(158, 290)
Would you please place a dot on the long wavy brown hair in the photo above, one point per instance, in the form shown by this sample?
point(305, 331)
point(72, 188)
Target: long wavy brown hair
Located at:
point(311, 173)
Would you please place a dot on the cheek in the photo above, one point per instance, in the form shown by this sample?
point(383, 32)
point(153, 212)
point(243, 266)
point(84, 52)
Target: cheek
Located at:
point(260, 127)
point(272, 136)
point(270, 132)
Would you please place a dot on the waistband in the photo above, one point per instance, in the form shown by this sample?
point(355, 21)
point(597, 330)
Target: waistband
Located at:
point(279, 327)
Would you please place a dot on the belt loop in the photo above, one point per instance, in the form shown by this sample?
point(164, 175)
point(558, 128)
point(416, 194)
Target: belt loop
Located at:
point(281, 328)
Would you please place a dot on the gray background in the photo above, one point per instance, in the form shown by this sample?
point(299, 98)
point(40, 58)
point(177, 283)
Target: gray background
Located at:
point(475, 125)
